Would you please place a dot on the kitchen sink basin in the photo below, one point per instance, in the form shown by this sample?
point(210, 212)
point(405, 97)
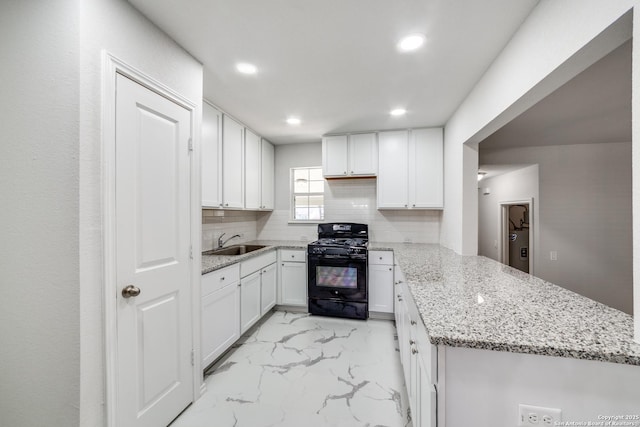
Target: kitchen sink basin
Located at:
point(235, 250)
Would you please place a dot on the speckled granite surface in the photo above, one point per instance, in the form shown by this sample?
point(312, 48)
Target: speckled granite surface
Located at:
point(215, 262)
point(469, 301)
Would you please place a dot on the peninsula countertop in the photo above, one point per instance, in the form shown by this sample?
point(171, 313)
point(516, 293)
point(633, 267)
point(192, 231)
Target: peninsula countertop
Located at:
point(476, 302)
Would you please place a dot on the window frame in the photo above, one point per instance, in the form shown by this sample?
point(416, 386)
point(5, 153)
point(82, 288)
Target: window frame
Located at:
point(292, 195)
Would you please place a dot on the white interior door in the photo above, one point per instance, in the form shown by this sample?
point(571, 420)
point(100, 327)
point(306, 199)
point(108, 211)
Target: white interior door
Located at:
point(154, 344)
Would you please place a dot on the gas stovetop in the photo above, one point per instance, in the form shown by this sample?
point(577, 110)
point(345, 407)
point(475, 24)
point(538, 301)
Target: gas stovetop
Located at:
point(341, 241)
point(337, 239)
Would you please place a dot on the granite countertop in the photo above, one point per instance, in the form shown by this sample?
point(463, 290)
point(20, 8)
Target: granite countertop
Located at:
point(476, 302)
point(214, 262)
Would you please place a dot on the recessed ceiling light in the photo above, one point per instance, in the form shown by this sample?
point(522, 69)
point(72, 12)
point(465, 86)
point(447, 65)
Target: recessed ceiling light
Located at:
point(411, 42)
point(398, 112)
point(293, 121)
point(246, 68)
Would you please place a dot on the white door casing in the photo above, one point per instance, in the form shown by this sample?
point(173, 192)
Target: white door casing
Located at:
point(152, 371)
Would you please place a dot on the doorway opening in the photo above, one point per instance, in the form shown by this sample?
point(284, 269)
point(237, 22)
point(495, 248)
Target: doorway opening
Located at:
point(517, 235)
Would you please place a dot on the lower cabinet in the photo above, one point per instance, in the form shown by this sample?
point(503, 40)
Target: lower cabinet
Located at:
point(419, 359)
point(234, 298)
point(380, 279)
point(293, 278)
point(249, 301)
point(220, 312)
point(268, 289)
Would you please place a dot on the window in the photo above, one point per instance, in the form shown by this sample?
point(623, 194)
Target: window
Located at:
point(307, 194)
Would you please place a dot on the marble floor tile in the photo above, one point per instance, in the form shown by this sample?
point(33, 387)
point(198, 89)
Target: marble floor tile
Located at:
point(297, 370)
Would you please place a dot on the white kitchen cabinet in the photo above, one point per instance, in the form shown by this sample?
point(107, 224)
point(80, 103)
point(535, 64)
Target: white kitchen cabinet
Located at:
point(267, 169)
point(410, 169)
point(293, 278)
point(232, 163)
point(252, 172)
point(393, 173)
point(249, 301)
point(419, 359)
point(349, 155)
point(220, 312)
point(380, 281)
point(426, 169)
point(211, 157)
point(268, 288)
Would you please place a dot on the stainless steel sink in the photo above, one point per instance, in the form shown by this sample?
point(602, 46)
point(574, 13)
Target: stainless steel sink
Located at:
point(235, 250)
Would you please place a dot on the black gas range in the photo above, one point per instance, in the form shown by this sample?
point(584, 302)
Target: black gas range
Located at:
point(337, 272)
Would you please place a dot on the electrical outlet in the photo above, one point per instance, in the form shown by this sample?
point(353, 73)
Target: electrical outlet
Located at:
point(553, 255)
point(529, 415)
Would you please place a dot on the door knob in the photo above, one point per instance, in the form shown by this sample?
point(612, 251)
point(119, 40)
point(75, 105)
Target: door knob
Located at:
point(130, 291)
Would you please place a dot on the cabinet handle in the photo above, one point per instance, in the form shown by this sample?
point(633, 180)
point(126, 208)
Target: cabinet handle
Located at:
point(411, 342)
point(345, 172)
point(293, 256)
point(222, 278)
point(390, 268)
point(406, 206)
point(414, 351)
point(239, 284)
point(226, 204)
point(414, 205)
point(351, 171)
point(413, 322)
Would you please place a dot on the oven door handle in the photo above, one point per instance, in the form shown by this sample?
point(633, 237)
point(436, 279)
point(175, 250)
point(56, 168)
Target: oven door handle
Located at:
point(341, 257)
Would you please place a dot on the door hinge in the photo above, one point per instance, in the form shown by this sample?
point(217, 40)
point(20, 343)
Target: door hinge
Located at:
point(193, 358)
point(190, 252)
point(190, 144)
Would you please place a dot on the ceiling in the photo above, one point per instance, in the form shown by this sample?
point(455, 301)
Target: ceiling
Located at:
point(593, 107)
point(334, 63)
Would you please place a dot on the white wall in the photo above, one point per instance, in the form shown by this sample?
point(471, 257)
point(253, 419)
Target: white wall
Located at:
point(521, 184)
point(39, 249)
point(584, 214)
point(348, 200)
point(554, 44)
point(115, 26)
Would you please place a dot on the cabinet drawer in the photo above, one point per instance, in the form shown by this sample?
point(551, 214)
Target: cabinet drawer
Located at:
point(381, 257)
point(256, 263)
point(218, 279)
point(293, 255)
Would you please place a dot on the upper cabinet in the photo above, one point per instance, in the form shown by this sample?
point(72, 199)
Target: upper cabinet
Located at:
point(259, 173)
point(211, 157)
point(252, 175)
point(232, 163)
point(353, 155)
point(237, 165)
point(410, 169)
point(268, 175)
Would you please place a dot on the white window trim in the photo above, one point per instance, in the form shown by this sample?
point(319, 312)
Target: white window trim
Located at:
point(292, 203)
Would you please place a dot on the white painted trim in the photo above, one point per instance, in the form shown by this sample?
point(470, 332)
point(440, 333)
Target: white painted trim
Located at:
point(111, 66)
point(503, 230)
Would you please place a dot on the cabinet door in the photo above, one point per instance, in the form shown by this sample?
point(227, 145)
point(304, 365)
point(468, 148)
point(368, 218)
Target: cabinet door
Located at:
point(424, 411)
point(268, 289)
point(381, 288)
point(293, 283)
point(363, 154)
point(232, 164)
point(334, 156)
point(252, 173)
point(268, 175)
point(249, 301)
point(426, 173)
point(220, 322)
point(392, 179)
point(211, 157)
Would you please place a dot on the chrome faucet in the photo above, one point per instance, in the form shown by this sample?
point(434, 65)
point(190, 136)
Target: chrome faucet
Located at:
point(221, 242)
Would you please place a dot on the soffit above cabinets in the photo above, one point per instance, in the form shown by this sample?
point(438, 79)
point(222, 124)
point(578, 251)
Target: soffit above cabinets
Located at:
point(335, 63)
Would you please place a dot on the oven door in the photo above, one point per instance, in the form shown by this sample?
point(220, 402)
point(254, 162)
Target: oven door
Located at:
point(337, 277)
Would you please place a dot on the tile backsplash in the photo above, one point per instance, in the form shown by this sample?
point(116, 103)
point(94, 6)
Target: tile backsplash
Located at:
point(347, 200)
